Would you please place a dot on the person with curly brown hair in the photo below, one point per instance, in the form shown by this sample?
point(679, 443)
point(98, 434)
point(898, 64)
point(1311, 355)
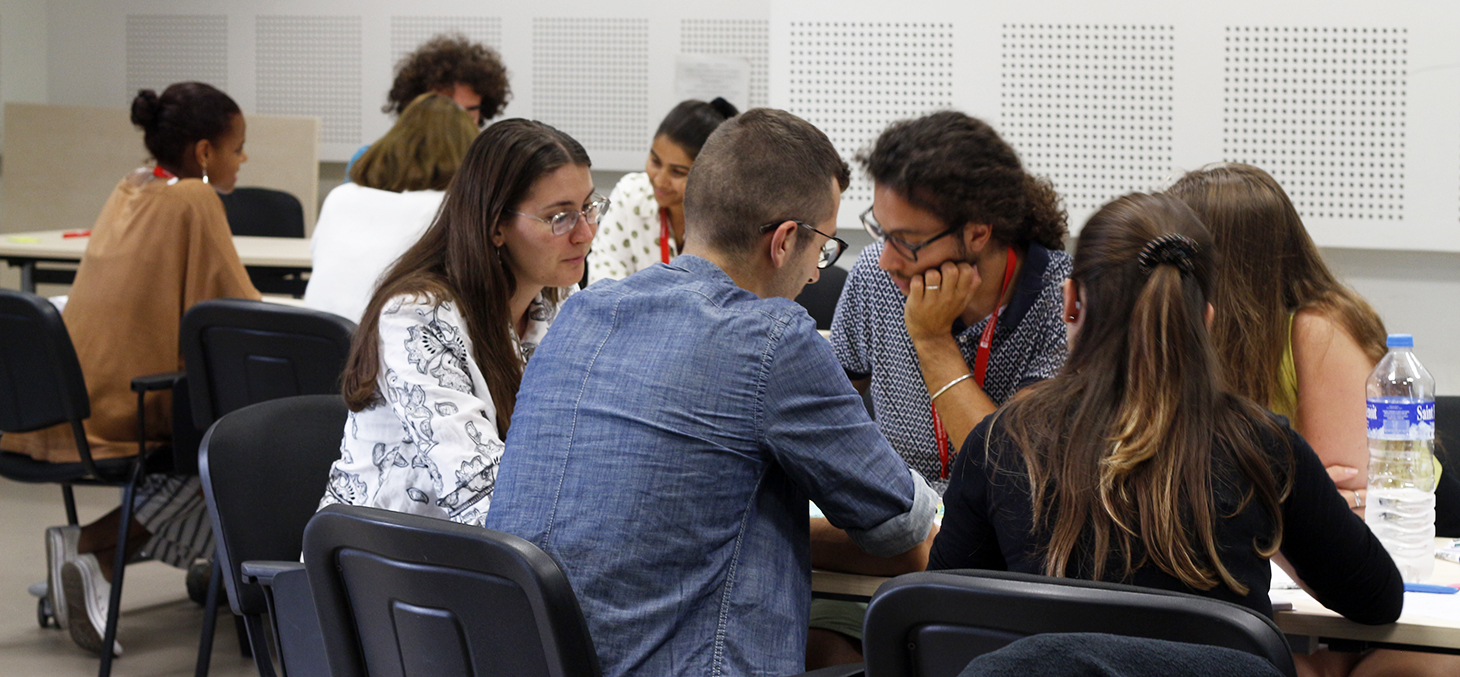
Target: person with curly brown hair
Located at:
point(449, 64)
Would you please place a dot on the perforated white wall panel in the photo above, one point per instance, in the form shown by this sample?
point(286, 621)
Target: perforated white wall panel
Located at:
point(167, 48)
point(408, 32)
point(310, 65)
point(1324, 111)
point(1089, 106)
point(590, 78)
point(852, 78)
point(745, 38)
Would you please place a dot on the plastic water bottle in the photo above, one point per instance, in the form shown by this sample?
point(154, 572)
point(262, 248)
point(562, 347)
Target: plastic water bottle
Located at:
point(1400, 507)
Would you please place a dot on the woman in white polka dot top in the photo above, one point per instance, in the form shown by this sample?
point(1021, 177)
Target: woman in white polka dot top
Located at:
point(645, 225)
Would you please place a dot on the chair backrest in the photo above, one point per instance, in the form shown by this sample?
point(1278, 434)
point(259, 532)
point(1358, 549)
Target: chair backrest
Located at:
point(820, 299)
point(40, 379)
point(242, 352)
point(1447, 449)
point(263, 212)
point(264, 468)
point(401, 594)
point(932, 624)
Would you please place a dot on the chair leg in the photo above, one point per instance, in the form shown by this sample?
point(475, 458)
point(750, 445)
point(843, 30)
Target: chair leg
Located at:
point(260, 645)
point(210, 621)
point(244, 648)
point(70, 497)
point(119, 569)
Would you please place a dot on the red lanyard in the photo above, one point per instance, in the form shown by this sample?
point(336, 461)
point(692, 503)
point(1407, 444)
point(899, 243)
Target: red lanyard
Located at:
point(980, 364)
point(161, 173)
point(664, 234)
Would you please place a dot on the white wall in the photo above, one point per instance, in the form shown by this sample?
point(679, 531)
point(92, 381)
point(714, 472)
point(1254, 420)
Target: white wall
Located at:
point(1415, 292)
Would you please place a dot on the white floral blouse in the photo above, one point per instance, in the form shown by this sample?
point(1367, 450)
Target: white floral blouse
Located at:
point(430, 445)
point(628, 234)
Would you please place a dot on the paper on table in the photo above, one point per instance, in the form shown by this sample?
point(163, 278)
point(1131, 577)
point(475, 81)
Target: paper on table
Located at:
point(706, 76)
point(1429, 605)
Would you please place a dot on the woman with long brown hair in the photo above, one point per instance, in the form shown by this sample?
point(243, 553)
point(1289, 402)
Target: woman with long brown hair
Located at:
point(1137, 465)
point(433, 373)
point(1293, 338)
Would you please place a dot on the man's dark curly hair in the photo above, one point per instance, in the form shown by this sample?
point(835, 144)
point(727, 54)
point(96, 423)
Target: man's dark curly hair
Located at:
point(443, 61)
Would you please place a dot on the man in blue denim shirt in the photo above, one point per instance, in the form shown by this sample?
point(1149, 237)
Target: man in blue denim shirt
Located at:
point(672, 425)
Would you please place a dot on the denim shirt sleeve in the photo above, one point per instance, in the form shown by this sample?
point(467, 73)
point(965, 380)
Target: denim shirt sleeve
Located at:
point(814, 424)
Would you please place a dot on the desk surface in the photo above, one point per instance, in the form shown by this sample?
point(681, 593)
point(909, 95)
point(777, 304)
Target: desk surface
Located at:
point(50, 245)
point(1424, 622)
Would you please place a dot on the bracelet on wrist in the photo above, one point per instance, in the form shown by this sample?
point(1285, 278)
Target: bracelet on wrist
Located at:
point(952, 383)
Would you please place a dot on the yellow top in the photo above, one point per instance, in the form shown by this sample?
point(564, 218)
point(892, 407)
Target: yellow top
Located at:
point(1285, 396)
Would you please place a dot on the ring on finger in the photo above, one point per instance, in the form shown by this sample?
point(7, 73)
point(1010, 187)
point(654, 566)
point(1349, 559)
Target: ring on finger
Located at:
point(1358, 500)
point(931, 287)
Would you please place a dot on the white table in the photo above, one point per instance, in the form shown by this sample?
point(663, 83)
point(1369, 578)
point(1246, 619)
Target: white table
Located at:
point(1425, 625)
point(271, 255)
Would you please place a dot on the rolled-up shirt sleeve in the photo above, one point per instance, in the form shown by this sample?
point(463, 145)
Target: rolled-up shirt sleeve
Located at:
point(815, 426)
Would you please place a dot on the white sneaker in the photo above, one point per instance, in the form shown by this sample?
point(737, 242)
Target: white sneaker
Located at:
point(60, 549)
point(87, 593)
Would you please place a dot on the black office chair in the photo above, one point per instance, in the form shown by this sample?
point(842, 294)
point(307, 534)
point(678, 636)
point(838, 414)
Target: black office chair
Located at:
point(933, 624)
point(264, 212)
point(43, 386)
point(286, 445)
point(1447, 450)
point(406, 594)
point(820, 299)
point(241, 352)
point(1086, 653)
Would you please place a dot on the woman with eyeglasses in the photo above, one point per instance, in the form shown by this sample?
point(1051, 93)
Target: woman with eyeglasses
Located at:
point(435, 365)
point(396, 189)
point(646, 225)
point(954, 307)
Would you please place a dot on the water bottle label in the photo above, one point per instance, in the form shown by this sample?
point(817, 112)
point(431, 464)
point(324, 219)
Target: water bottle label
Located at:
point(1390, 420)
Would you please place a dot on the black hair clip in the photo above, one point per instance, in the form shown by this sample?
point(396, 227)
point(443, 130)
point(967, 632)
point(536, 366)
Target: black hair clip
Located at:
point(1173, 249)
point(724, 108)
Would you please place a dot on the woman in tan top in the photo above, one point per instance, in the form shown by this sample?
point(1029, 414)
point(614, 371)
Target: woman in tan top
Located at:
point(161, 244)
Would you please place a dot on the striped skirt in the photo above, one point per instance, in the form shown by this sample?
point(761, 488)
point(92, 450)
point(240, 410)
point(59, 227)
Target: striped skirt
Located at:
point(173, 511)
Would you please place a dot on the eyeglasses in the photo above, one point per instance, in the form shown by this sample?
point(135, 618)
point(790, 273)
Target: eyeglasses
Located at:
point(564, 221)
point(830, 252)
point(902, 246)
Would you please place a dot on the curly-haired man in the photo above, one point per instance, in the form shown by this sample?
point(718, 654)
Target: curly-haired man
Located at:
point(449, 64)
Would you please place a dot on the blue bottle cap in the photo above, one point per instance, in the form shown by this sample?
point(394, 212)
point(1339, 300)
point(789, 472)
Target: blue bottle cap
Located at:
point(1400, 341)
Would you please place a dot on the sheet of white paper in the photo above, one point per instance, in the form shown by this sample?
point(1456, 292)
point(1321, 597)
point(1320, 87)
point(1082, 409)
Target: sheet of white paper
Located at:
point(706, 76)
point(1430, 605)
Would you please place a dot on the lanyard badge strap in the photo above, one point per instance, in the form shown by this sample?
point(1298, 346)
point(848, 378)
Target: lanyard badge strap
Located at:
point(980, 365)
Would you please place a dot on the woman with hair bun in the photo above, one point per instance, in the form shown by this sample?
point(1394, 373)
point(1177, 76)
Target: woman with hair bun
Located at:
point(160, 245)
point(1138, 464)
point(646, 225)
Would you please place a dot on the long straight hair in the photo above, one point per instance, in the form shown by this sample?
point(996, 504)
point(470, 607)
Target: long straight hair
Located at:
point(1119, 448)
point(1269, 269)
point(455, 260)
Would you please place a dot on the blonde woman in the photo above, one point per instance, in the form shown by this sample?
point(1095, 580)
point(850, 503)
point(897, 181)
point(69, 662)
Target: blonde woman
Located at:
point(395, 191)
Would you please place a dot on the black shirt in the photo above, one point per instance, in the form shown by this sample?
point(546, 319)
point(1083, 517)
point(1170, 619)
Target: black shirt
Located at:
point(988, 524)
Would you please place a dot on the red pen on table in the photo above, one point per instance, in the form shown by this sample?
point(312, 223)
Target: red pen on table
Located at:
point(76, 233)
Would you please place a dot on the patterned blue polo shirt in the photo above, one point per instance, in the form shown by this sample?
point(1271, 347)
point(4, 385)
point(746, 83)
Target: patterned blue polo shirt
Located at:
point(870, 338)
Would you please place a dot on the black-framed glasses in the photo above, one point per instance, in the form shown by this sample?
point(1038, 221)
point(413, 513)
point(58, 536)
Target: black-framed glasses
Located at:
point(830, 252)
point(902, 246)
point(564, 221)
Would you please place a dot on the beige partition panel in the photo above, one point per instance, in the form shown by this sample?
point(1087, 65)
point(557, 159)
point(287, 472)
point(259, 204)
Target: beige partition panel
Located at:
point(61, 162)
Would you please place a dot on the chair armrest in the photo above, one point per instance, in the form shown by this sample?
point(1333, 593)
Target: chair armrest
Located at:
point(264, 571)
point(163, 381)
point(849, 670)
